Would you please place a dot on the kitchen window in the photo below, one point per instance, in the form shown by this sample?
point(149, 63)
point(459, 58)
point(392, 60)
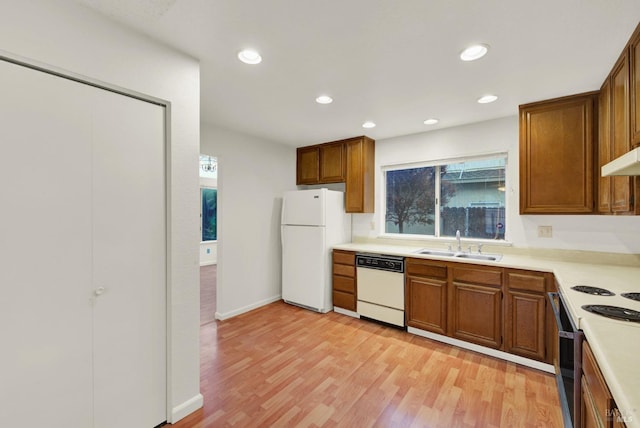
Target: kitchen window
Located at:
point(436, 199)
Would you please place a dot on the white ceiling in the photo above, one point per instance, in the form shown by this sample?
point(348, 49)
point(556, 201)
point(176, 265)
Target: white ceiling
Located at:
point(394, 62)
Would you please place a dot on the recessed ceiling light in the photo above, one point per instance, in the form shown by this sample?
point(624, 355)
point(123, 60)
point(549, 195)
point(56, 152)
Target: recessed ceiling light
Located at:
point(487, 99)
point(431, 121)
point(474, 52)
point(324, 99)
point(368, 124)
point(249, 56)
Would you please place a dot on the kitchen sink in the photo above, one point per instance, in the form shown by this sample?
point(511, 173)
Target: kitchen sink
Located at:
point(436, 253)
point(460, 255)
point(491, 257)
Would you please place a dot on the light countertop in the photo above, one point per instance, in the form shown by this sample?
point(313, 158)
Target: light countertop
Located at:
point(615, 344)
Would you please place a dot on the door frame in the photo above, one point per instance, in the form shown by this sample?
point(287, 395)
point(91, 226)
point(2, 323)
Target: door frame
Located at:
point(69, 75)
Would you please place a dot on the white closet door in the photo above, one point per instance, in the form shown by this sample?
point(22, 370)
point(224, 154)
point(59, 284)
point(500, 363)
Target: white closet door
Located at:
point(129, 247)
point(45, 257)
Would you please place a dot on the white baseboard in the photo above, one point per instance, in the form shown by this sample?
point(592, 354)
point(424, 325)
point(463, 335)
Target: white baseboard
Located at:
point(208, 263)
point(231, 314)
point(346, 312)
point(484, 350)
point(186, 408)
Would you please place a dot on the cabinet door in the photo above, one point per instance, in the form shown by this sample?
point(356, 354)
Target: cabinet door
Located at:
point(476, 314)
point(525, 324)
point(604, 146)
point(307, 165)
point(634, 52)
point(332, 163)
point(622, 190)
point(426, 304)
point(359, 187)
point(556, 156)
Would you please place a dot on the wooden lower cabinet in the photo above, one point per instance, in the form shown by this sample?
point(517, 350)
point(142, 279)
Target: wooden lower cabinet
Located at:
point(344, 280)
point(526, 314)
point(597, 407)
point(476, 304)
point(426, 295)
point(525, 324)
point(477, 314)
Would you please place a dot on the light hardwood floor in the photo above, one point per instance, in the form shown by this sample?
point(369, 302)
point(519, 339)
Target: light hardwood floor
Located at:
point(208, 278)
point(280, 365)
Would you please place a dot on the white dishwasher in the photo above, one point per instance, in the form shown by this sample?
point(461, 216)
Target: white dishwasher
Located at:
point(380, 282)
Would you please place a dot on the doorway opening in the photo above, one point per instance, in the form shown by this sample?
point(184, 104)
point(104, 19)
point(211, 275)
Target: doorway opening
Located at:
point(209, 237)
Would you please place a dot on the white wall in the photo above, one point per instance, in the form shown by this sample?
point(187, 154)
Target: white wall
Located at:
point(616, 234)
point(66, 35)
point(252, 176)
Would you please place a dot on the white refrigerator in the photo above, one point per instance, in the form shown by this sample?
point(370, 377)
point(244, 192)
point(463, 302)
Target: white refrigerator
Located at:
point(313, 221)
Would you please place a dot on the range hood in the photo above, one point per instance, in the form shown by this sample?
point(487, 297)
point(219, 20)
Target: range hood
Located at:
point(627, 164)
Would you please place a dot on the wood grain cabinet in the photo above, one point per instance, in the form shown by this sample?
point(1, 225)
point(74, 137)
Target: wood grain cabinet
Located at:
point(349, 161)
point(557, 155)
point(426, 295)
point(634, 63)
point(597, 407)
point(526, 314)
point(616, 194)
point(321, 164)
point(307, 165)
point(359, 185)
point(344, 280)
point(475, 313)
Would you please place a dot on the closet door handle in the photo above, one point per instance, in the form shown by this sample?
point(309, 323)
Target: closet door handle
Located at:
point(98, 291)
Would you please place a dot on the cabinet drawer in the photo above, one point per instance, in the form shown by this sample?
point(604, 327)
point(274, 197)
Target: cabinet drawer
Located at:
point(602, 400)
point(344, 270)
point(344, 300)
point(417, 267)
point(345, 258)
point(529, 281)
point(345, 284)
point(477, 275)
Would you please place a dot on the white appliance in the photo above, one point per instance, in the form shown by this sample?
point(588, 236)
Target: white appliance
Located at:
point(313, 221)
point(380, 282)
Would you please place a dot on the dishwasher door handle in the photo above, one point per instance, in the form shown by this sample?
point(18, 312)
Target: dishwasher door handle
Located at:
point(556, 312)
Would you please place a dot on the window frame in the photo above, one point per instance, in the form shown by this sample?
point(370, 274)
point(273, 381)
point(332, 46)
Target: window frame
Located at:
point(437, 220)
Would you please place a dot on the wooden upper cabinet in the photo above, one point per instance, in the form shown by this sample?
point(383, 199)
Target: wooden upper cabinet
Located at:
point(348, 161)
point(604, 147)
point(634, 62)
point(557, 155)
point(323, 163)
point(307, 165)
point(360, 187)
point(622, 187)
point(332, 163)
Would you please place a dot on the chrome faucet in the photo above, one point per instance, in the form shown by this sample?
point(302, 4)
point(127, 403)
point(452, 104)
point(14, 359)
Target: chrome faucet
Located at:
point(458, 239)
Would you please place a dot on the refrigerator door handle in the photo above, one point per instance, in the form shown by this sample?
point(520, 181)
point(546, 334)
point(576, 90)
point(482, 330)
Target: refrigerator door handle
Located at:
point(282, 237)
point(284, 203)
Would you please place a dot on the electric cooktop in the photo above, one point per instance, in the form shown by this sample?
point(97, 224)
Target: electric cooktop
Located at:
point(596, 291)
point(614, 312)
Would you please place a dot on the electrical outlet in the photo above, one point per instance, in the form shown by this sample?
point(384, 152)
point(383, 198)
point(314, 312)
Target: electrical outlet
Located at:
point(545, 231)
